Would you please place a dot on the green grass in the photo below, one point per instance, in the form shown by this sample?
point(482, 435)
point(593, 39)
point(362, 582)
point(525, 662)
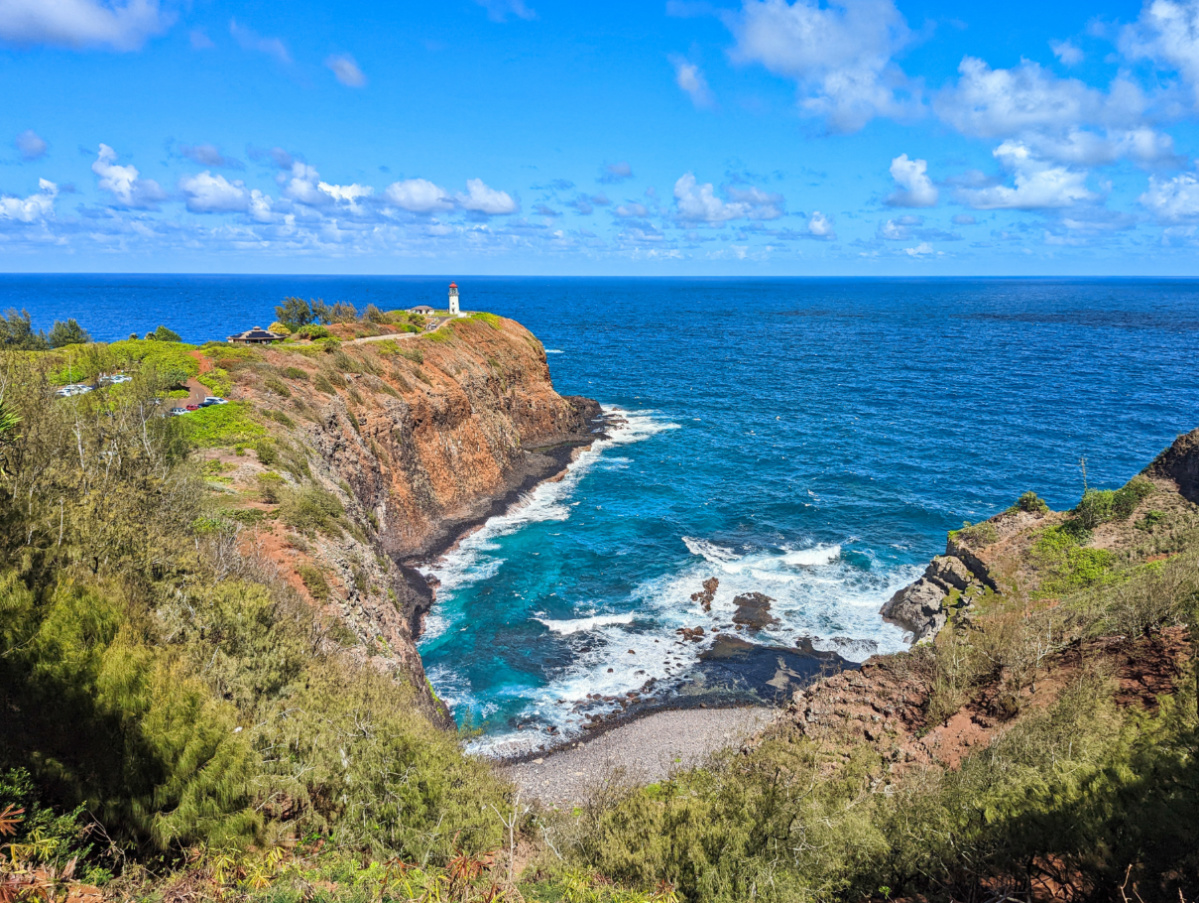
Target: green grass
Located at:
point(1067, 565)
point(222, 425)
point(490, 319)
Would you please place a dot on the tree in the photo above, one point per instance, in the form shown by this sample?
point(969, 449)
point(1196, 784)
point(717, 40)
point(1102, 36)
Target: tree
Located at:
point(16, 332)
point(294, 313)
point(279, 328)
point(68, 333)
point(162, 334)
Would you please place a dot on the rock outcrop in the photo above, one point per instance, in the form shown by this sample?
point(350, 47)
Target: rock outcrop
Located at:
point(1180, 463)
point(920, 607)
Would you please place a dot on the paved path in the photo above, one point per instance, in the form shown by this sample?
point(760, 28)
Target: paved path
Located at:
point(641, 752)
point(396, 335)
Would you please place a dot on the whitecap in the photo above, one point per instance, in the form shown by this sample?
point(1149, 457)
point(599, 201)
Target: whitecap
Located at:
point(588, 623)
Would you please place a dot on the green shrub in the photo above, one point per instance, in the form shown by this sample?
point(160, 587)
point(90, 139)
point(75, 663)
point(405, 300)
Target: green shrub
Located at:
point(312, 509)
point(312, 331)
point(1126, 499)
point(1066, 564)
point(314, 582)
point(976, 535)
point(278, 387)
point(321, 383)
point(490, 319)
point(295, 373)
point(1032, 503)
point(1094, 508)
point(162, 334)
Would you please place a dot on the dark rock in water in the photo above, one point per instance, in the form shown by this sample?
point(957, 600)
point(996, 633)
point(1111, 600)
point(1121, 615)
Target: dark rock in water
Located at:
point(753, 610)
point(735, 669)
point(705, 597)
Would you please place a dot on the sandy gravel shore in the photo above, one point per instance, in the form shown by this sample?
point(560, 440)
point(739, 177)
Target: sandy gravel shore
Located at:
point(646, 749)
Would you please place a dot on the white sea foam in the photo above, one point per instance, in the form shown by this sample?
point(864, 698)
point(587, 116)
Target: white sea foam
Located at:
point(473, 560)
point(554, 351)
point(579, 625)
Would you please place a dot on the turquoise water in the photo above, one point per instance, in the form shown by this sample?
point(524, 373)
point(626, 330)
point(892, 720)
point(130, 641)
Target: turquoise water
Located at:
point(809, 439)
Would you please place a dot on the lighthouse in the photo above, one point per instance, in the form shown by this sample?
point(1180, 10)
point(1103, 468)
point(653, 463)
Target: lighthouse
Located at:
point(454, 311)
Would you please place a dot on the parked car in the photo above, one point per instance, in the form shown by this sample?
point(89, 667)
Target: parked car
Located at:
point(71, 390)
point(178, 412)
point(214, 399)
point(116, 378)
point(193, 407)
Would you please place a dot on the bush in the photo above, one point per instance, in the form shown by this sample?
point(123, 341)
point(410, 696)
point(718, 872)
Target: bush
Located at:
point(975, 535)
point(314, 582)
point(312, 331)
point(222, 425)
point(279, 328)
point(294, 373)
point(1094, 508)
point(1066, 564)
point(373, 315)
point(1032, 503)
point(1126, 499)
point(278, 387)
point(162, 334)
point(312, 509)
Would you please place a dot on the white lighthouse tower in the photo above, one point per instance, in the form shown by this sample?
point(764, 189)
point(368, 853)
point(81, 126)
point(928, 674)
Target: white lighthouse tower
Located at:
point(454, 311)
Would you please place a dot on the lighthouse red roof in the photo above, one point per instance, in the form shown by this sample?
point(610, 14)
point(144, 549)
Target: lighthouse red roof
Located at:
point(453, 285)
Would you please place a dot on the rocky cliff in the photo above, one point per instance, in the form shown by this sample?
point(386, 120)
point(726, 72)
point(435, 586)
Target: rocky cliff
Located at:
point(372, 456)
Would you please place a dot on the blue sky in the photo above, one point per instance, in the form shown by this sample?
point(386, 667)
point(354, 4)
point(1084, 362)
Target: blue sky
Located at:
point(760, 137)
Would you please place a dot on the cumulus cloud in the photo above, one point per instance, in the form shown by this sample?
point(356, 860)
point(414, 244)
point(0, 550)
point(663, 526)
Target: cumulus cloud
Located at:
point(38, 206)
point(1067, 51)
point(346, 70)
point(418, 196)
point(301, 184)
point(209, 155)
point(1038, 185)
point(207, 193)
point(840, 55)
point(1167, 33)
point(124, 183)
point(500, 10)
point(915, 188)
point(613, 173)
point(900, 228)
point(700, 204)
point(687, 75)
point(31, 145)
point(924, 249)
point(113, 25)
point(821, 227)
point(990, 103)
point(248, 39)
point(1173, 200)
point(479, 198)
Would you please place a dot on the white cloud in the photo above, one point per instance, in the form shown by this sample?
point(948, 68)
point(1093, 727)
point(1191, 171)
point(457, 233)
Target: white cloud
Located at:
point(302, 185)
point(688, 76)
point(207, 193)
point(124, 183)
point(261, 207)
point(499, 10)
point(1068, 52)
point(820, 226)
point(418, 196)
point(248, 39)
point(346, 194)
point(114, 25)
point(1038, 185)
point(482, 199)
point(36, 207)
point(840, 55)
point(924, 249)
point(1167, 33)
point(899, 229)
point(700, 204)
point(915, 189)
point(632, 210)
point(1173, 200)
point(31, 145)
point(991, 103)
point(346, 70)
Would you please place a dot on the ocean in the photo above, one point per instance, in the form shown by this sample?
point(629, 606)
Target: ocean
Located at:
point(809, 439)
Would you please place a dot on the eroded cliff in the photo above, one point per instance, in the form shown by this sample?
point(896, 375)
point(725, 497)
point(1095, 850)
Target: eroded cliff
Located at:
point(351, 462)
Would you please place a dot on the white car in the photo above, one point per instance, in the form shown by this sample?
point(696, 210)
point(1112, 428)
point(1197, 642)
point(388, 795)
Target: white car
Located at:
point(116, 378)
point(210, 400)
point(72, 390)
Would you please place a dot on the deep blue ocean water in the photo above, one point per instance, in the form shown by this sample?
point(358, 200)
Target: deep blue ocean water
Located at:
point(809, 439)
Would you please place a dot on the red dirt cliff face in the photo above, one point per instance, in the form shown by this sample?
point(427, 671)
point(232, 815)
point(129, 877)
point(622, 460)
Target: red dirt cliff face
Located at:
point(419, 439)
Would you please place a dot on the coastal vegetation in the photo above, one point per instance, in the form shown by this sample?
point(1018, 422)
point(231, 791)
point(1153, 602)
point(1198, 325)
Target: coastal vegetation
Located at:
point(197, 708)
